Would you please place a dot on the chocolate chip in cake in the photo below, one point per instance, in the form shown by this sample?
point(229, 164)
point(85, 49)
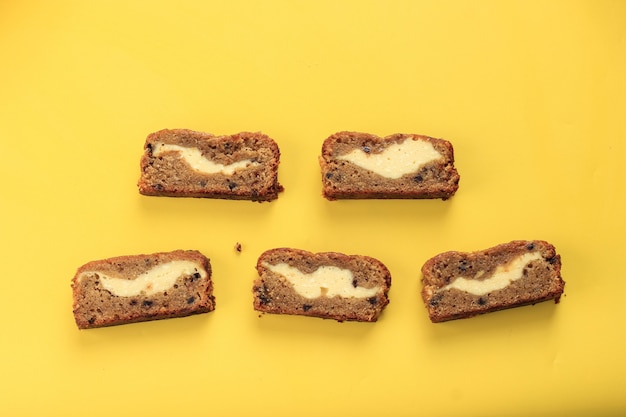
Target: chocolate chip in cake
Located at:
point(418, 178)
point(372, 300)
point(482, 301)
point(552, 260)
point(232, 185)
point(354, 283)
point(262, 294)
point(329, 175)
point(191, 300)
point(366, 149)
point(306, 307)
point(195, 276)
point(530, 246)
point(133, 302)
point(147, 303)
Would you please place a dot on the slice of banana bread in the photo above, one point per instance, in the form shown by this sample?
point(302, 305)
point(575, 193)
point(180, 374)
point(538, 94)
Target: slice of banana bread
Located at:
point(329, 285)
point(135, 288)
point(185, 163)
point(460, 284)
point(360, 165)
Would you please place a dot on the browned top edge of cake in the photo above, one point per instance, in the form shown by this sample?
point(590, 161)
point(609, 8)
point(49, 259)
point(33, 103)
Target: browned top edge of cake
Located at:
point(187, 254)
point(504, 250)
point(331, 150)
point(502, 253)
point(166, 135)
point(189, 137)
point(381, 142)
point(328, 258)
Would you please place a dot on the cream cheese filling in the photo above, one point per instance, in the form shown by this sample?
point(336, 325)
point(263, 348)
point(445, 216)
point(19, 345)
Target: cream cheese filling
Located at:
point(395, 160)
point(326, 281)
point(194, 158)
point(157, 279)
point(501, 278)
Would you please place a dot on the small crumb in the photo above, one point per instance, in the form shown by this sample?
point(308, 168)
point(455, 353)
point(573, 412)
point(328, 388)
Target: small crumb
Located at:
point(238, 247)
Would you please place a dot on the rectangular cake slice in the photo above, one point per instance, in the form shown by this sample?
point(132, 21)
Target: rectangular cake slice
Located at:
point(329, 285)
point(361, 165)
point(185, 163)
point(461, 284)
point(135, 288)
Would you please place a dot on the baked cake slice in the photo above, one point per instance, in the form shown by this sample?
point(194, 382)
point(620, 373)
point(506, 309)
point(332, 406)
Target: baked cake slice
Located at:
point(185, 163)
point(135, 288)
point(461, 284)
point(361, 165)
point(329, 285)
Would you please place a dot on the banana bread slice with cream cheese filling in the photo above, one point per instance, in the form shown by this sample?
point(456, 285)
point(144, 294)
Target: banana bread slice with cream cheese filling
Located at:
point(135, 288)
point(464, 284)
point(186, 163)
point(328, 285)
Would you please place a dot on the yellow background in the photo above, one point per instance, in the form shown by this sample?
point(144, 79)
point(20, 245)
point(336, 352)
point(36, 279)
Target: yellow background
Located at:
point(531, 94)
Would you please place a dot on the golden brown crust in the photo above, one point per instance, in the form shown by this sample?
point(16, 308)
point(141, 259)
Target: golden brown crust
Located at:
point(94, 306)
point(169, 175)
point(344, 180)
point(541, 280)
point(274, 294)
